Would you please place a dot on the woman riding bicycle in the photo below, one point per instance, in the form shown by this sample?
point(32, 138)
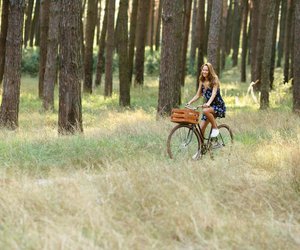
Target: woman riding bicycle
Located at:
point(209, 88)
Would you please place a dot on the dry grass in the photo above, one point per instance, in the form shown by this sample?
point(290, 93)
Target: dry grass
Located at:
point(249, 199)
point(115, 188)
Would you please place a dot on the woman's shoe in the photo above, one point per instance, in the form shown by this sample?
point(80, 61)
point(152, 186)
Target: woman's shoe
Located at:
point(214, 133)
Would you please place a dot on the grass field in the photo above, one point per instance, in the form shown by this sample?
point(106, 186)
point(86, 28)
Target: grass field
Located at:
point(114, 187)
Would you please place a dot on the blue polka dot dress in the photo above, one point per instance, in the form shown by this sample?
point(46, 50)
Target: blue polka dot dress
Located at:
point(217, 104)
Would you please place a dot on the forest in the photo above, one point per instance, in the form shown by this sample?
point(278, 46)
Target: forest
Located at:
point(87, 88)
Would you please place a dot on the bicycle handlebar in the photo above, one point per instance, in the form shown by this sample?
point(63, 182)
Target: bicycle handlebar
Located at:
point(188, 106)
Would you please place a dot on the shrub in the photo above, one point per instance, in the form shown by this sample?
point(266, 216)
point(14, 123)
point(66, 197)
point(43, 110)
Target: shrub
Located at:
point(30, 61)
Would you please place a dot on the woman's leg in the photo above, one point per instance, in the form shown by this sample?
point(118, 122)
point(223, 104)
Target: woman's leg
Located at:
point(210, 114)
point(203, 126)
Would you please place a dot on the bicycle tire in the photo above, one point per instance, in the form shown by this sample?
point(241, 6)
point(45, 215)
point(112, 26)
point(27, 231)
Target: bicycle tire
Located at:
point(225, 137)
point(184, 142)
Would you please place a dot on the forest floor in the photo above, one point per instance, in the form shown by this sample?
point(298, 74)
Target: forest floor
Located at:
point(114, 187)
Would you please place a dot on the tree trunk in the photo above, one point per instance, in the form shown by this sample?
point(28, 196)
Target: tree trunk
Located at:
point(151, 25)
point(281, 32)
point(267, 54)
point(82, 38)
point(3, 34)
point(28, 21)
point(244, 41)
point(236, 32)
point(116, 33)
point(12, 70)
point(109, 49)
point(296, 85)
point(213, 49)
point(70, 109)
point(51, 62)
point(229, 25)
point(44, 26)
point(169, 84)
point(260, 42)
point(133, 20)
point(35, 23)
point(287, 41)
point(143, 16)
point(201, 23)
point(223, 35)
point(254, 23)
point(101, 49)
point(194, 36)
point(98, 21)
point(157, 36)
point(89, 42)
point(208, 17)
point(291, 75)
point(272, 68)
point(123, 53)
point(186, 31)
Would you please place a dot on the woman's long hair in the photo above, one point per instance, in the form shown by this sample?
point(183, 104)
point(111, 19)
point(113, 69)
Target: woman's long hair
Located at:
point(212, 76)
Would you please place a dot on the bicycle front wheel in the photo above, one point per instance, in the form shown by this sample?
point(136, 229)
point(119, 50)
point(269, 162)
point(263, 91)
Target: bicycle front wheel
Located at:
point(184, 142)
point(225, 137)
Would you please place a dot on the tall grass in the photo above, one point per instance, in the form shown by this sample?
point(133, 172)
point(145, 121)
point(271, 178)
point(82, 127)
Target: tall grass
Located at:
point(114, 187)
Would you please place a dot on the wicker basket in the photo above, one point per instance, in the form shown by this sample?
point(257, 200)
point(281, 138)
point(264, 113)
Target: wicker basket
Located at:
point(185, 116)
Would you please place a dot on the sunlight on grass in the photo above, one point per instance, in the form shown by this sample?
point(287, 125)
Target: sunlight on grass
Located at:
point(113, 187)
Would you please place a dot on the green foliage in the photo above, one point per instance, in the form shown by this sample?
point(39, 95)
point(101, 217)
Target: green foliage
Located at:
point(30, 61)
point(152, 62)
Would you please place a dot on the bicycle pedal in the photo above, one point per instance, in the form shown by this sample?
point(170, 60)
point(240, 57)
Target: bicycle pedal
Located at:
point(216, 146)
point(197, 156)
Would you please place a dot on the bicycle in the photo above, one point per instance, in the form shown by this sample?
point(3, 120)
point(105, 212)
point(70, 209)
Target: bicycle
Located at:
point(187, 140)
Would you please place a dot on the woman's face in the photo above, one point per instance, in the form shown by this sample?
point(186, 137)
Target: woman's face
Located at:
point(205, 71)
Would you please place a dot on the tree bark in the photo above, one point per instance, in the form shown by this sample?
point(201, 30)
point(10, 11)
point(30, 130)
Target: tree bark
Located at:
point(267, 54)
point(12, 71)
point(223, 35)
point(44, 26)
point(244, 41)
point(51, 62)
point(124, 99)
point(28, 21)
point(296, 85)
point(186, 32)
point(254, 23)
point(151, 25)
point(201, 23)
point(3, 34)
point(133, 22)
point(229, 25)
point(281, 32)
point(98, 21)
point(101, 47)
point(35, 23)
point(169, 84)
point(213, 49)
point(207, 27)
point(274, 43)
point(260, 42)
point(158, 29)
point(287, 41)
point(143, 16)
point(109, 49)
point(193, 47)
point(70, 109)
point(236, 32)
point(89, 42)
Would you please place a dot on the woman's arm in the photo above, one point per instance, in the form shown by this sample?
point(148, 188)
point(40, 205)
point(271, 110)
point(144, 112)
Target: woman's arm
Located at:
point(213, 95)
point(197, 96)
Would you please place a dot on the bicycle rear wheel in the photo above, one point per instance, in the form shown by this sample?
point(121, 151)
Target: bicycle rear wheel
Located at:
point(225, 137)
point(184, 142)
